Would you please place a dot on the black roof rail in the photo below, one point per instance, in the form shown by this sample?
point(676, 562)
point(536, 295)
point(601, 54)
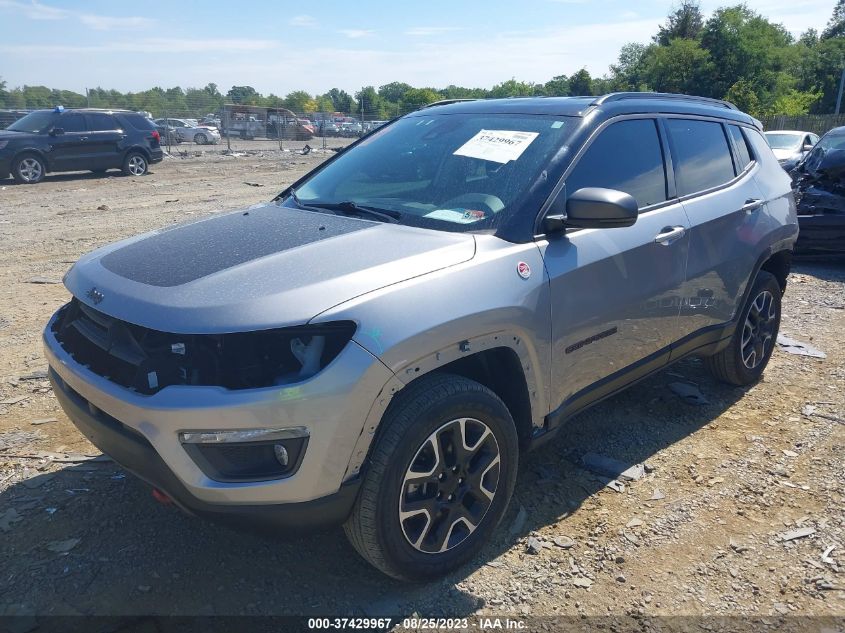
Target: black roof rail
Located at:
point(445, 102)
point(622, 96)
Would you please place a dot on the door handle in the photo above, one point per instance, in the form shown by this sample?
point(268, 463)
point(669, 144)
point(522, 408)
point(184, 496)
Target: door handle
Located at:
point(751, 205)
point(669, 235)
point(83, 138)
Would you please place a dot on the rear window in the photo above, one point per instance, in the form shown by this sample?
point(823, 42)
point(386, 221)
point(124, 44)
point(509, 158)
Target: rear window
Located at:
point(137, 121)
point(627, 157)
point(98, 122)
point(743, 152)
point(701, 155)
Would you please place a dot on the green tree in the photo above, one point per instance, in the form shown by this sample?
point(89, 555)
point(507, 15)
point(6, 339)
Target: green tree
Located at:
point(512, 88)
point(243, 94)
point(557, 86)
point(836, 25)
point(415, 98)
point(300, 101)
point(394, 91)
point(628, 73)
point(745, 45)
point(341, 100)
point(370, 103)
point(581, 83)
point(685, 22)
point(742, 95)
point(682, 66)
point(794, 102)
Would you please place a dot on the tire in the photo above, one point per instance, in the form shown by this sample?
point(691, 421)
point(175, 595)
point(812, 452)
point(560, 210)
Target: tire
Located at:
point(444, 407)
point(28, 169)
point(135, 164)
point(200, 139)
point(743, 361)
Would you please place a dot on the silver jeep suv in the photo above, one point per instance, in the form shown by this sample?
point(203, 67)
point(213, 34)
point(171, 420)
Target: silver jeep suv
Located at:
point(378, 344)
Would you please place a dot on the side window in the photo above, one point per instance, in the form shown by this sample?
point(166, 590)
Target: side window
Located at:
point(98, 122)
point(743, 152)
point(627, 157)
point(72, 123)
point(700, 154)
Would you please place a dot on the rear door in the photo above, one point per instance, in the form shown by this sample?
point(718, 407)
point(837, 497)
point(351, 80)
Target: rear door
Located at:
point(615, 292)
point(105, 139)
point(714, 174)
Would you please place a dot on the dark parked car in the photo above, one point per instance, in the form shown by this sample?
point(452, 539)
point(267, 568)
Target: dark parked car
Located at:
point(77, 140)
point(819, 183)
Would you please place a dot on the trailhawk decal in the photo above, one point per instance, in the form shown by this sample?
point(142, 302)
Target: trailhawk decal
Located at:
point(590, 339)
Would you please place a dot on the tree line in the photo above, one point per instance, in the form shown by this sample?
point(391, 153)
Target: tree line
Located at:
point(734, 54)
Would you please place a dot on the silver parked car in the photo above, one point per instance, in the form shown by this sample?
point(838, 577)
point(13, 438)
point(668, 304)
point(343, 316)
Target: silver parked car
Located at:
point(378, 345)
point(790, 146)
point(187, 130)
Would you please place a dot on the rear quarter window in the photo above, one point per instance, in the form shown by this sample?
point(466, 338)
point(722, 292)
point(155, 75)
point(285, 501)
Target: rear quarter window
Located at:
point(744, 155)
point(700, 153)
point(136, 121)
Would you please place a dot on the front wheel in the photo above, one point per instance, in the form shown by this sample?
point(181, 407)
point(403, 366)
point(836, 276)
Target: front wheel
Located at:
point(743, 361)
point(135, 164)
point(439, 480)
point(28, 170)
point(200, 139)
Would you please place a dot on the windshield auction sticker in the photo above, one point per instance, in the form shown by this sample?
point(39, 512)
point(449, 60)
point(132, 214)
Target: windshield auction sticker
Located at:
point(499, 146)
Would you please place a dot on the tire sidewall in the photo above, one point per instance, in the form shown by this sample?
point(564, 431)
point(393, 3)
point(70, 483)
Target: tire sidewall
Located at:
point(17, 165)
point(129, 157)
point(764, 281)
point(398, 551)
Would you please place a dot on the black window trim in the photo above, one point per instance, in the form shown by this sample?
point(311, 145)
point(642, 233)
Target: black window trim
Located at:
point(752, 166)
point(668, 169)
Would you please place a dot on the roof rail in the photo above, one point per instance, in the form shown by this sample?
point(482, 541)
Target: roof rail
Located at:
point(622, 96)
point(445, 102)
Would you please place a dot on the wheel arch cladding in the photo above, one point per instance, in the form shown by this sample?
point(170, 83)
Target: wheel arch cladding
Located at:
point(779, 264)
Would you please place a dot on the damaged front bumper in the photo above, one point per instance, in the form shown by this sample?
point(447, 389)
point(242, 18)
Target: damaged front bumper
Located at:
point(142, 433)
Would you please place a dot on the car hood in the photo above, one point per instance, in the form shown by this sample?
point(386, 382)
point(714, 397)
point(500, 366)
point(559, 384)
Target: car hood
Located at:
point(265, 267)
point(782, 154)
point(8, 134)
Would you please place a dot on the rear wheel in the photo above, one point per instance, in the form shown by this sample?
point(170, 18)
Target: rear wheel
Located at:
point(200, 139)
point(28, 169)
point(439, 480)
point(743, 361)
point(135, 164)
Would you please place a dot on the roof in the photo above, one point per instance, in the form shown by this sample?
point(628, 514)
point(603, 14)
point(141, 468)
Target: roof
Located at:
point(83, 110)
point(610, 104)
point(796, 132)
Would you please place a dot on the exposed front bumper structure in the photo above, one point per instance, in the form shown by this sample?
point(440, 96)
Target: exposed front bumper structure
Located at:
point(141, 432)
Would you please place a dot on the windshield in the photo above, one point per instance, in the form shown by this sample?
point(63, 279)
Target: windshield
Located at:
point(784, 141)
point(453, 172)
point(34, 122)
point(832, 140)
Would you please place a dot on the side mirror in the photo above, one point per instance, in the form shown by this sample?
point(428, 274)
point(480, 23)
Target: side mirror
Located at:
point(595, 208)
point(807, 147)
point(57, 131)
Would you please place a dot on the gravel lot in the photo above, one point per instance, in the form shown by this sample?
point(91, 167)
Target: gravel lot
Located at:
point(701, 533)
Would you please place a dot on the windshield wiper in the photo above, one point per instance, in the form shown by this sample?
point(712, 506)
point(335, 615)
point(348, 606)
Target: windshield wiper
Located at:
point(349, 207)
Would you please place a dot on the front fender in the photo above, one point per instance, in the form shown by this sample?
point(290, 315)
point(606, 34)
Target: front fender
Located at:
point(418, 325)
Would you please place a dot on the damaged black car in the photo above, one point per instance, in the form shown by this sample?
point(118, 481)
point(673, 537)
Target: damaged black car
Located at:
point(819, 183)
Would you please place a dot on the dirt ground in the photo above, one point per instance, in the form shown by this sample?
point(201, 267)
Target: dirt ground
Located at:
point(701, 533)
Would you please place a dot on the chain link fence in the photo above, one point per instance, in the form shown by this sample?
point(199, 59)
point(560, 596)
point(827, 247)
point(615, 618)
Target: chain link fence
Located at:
point(816, 123)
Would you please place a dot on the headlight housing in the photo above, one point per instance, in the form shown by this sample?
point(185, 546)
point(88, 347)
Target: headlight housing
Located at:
point(148, 360)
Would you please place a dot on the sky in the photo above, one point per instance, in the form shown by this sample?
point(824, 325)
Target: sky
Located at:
point(278, 47)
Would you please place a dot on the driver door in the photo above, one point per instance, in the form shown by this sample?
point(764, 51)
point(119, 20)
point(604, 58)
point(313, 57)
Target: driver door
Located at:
point(616, 292)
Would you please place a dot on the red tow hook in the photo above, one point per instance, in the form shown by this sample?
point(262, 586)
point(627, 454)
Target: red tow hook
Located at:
point(162, 497)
